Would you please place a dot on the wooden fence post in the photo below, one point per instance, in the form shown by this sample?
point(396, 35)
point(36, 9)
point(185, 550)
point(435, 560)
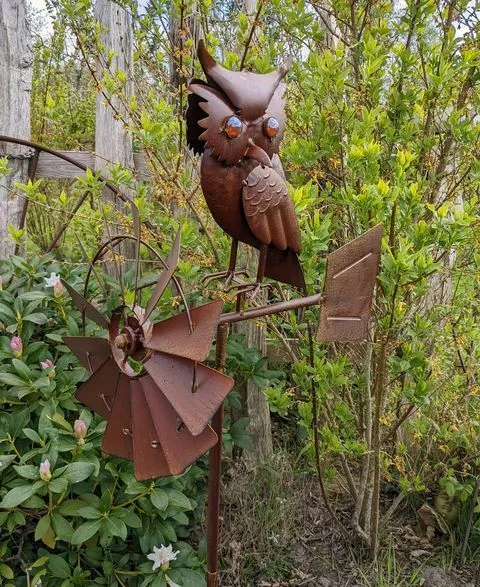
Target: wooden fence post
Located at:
point(113, 143)
point(16, 67)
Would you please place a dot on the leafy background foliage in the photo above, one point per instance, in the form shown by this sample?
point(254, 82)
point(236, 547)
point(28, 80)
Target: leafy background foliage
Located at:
point(382, 128)
point(92, 522)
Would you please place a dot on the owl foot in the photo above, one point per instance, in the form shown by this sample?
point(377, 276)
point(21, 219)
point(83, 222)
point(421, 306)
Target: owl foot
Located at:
point(250, 291)
point(229, 276)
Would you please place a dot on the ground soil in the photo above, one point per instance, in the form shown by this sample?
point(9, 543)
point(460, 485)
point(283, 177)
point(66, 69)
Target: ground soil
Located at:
point(299, 545)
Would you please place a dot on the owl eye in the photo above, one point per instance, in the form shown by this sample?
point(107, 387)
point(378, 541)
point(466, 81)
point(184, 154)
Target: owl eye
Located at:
point(233, 127)
point(271, 127)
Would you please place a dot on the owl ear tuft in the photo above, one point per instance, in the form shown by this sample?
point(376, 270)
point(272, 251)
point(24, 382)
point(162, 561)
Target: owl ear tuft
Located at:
point(206, 60)
point(246, 91)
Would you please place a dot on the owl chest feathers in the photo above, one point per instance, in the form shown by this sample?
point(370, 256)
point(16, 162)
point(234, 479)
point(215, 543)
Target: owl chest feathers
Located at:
point(250, 202)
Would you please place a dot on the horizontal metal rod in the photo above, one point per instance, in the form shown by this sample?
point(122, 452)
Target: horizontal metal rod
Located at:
point(286, 306)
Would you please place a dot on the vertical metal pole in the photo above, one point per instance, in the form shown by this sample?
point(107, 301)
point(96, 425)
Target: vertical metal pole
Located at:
point(214, 469)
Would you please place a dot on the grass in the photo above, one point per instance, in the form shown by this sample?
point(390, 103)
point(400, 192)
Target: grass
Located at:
point(261, 519)
point(275, 527)
point(387, 571)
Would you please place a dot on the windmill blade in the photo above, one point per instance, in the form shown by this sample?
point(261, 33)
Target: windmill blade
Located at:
point(137, 233)
point(118, 438)
point(98, 392)
point(173, 335)
point(349, 285)
point(164, 279)
point(85, 307)
point(175, 375)
point(148, 455)
point(92, 352)
point(179, 447)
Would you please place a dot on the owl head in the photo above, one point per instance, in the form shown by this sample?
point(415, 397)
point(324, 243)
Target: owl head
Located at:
point(238, 115)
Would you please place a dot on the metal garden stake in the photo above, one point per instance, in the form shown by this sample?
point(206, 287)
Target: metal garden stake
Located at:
point(163, 406)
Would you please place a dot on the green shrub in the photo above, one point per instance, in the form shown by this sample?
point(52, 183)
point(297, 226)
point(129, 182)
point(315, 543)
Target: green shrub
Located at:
point(70, 515)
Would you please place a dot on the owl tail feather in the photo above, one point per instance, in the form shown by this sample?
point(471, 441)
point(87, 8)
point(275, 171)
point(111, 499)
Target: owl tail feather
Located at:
point(284, 266)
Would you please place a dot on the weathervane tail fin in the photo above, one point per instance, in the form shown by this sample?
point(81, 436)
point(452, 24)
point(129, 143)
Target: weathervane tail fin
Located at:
point(349, 285)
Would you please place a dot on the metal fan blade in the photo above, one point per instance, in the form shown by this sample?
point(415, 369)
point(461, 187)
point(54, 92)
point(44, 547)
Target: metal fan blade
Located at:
point(84, 306)
point(118, 438)
point(137, 232)
point(174, 376)
point(349, 284)
point(165, 277)
point(173, 335)
point(147, 452)
point(92, 352)
point(98, 392)
point(180, 448)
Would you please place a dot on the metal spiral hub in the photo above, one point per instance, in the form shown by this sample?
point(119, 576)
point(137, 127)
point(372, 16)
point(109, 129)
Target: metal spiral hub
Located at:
point(126, 339)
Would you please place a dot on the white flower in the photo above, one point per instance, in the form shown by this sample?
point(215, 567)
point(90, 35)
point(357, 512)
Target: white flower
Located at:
point(171, 583)
point(162, 556)
point(52, 280)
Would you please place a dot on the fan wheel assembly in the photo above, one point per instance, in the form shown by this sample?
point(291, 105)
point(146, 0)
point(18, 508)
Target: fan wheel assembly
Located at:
point(147, 379)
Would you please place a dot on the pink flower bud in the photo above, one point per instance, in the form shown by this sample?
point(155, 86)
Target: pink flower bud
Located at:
point(48, 364)
point(16, 345)
point(1, 283)
point(80, 431)
point(44, 470)
point(58, 289)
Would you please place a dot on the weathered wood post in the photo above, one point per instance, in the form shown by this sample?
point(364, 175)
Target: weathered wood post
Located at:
point(16, 66)
point(113, 143)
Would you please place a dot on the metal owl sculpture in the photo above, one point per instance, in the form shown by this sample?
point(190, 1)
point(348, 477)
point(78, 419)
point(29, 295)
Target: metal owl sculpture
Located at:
point(236, 120)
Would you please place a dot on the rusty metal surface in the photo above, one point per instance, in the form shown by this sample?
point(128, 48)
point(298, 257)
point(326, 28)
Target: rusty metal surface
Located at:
point(246, 91)
point(91, 352)
point(192, 389)
point(278, 308)
point(98, 392)
point(84, 306)
point(148, 456)
point(168, 399)
point(160, 446)
point(349, 286)
point(172, 335)
point(118, 437)
point(236, 120)
point(179, 447)
point(269, 209)
point(215, 467)
point(126, 339)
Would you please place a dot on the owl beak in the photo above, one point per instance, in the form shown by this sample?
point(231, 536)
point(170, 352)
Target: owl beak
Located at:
point(254, 152)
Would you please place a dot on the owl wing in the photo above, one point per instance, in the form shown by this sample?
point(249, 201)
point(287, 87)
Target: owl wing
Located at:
point(269, 209)
point(216, 109)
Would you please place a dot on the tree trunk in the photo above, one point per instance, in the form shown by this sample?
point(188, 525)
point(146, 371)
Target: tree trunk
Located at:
point(16, 66)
